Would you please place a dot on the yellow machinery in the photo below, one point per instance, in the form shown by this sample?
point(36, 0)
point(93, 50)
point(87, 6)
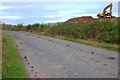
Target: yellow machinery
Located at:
point(104, 13)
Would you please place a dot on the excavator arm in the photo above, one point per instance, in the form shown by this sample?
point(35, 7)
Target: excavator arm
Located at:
point(104, 14)
point(104, 10)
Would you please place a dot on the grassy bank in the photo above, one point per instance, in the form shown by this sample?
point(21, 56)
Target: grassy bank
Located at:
point(12, 67)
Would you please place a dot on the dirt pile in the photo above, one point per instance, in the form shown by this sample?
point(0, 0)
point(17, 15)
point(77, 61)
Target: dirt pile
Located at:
point(88, 19)
point(81, 19)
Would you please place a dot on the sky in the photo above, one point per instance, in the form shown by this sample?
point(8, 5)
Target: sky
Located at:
point(45, 12)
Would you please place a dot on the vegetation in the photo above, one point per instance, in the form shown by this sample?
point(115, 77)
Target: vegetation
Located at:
point(104, 32)
point(11, 64)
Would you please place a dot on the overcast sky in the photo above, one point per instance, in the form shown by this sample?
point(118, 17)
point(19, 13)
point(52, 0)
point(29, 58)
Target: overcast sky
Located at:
point(45, 12)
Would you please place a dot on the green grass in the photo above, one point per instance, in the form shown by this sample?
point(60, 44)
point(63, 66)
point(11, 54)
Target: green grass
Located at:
point(12, 66)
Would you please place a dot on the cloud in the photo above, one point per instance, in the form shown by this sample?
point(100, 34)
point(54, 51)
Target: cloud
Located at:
point(4, 7)
point(65, 18)
point(65, 13)
point(54, 21)
point(68, 14)
point(37, 21)
point(58, 20)
point(75, 5)
point(10, 17)
point(72, 10)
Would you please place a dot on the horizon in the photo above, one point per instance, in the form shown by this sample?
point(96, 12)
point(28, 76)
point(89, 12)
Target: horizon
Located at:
point(50, 12)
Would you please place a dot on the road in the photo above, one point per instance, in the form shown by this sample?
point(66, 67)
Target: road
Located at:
point(46, 57)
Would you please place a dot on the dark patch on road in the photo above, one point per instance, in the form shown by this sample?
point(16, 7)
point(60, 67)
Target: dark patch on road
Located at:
point(21, 43)
point(67, 45)
point(94, 60)
point(49, 40)
point(111, 58)
point(25, 57)
point(35, 75)
point(92, 52)
point(105, 64)
point(26, 60)
point(81, 49)
point(39, 37)
point(31, 66)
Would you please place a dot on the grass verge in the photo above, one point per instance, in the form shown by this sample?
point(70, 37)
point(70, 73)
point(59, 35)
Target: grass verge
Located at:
point(12, 66)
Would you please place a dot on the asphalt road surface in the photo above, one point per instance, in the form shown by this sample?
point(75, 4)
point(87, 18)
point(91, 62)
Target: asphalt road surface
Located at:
point(46, 57)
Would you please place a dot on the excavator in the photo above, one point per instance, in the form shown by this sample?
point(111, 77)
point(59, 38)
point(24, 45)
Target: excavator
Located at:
point(105, 14)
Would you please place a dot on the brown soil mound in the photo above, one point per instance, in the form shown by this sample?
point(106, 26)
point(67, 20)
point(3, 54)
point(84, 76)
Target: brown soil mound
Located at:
point(81, 19)
point(88, 19)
